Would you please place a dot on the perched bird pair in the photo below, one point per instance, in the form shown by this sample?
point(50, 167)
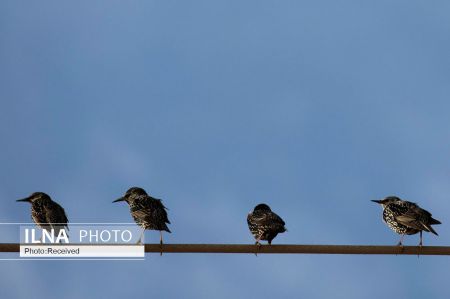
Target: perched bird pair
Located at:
point(406, 218)
point(403, 217)
point(147, 212)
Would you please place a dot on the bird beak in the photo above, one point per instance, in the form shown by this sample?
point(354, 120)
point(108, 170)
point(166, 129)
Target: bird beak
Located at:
point(27, 199)
point(377, 201)
point(120, 199)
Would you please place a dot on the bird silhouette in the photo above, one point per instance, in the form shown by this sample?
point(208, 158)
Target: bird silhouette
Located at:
point(46, 213)
point(148, 212)
point(406, 218)
point(264, 224)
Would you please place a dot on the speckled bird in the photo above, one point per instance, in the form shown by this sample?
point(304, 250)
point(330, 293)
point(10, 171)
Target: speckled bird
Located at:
point(406, 218)
point(46, 213)
point(264, 224)
point(148, 212)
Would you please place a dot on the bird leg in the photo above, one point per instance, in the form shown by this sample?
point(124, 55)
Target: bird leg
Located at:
point(160, 242)
point(42, 236)
point(139, 242)
point(400, 243)
point(401, 240)
point(57, 230)
point(258, 246)
point(420, 244)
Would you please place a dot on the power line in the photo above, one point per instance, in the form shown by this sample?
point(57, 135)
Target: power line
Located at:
point(277, 249)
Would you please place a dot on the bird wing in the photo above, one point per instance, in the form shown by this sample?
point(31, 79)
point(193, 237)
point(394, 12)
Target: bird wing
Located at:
point(257, 218)
point(150, 209)
point(141, 208)
point(411, 222)
point(38, 215)
point(415, 217)
point(269, 219)
point(276, 219)
point(159, 211)
point(55, 214)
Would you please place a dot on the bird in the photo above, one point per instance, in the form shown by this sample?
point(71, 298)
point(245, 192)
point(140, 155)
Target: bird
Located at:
point(264, 224)
point(46, 213)
point(406, 218)
point(148, 212)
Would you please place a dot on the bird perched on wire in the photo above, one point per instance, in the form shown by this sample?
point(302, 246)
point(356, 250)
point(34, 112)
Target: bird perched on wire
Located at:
point(147, 212)
point(46, 213)
point(406, 218)
point(264, 224)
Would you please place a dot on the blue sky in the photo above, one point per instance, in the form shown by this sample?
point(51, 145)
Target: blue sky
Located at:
point(313, 107)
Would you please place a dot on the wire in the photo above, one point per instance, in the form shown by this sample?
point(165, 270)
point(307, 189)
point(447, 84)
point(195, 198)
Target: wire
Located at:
point(273, 249)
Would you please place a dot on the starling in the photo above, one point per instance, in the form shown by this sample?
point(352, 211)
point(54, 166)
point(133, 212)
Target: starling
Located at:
point(147, 212)
point(46, 213)
point(264, 224)
point(406, 218)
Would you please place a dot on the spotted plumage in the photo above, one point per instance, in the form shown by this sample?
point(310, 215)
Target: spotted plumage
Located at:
point(265, 224)
point(46, 213)
point(148, 212)
point(406, 218)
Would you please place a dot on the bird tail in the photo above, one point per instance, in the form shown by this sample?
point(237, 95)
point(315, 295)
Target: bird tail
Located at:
point(167, 229)
point(430, 229)
point(434, 221)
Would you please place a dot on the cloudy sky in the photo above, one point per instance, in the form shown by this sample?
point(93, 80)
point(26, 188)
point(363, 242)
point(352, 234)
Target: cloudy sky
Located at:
point(313, 107)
